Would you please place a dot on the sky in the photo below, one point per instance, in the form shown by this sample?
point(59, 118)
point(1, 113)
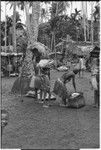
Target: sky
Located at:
point(9, 12)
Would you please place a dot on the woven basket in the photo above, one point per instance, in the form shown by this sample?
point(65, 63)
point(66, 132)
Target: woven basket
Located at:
point(76, 102)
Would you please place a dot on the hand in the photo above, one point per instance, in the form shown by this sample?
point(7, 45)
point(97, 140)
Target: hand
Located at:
point(91, 88)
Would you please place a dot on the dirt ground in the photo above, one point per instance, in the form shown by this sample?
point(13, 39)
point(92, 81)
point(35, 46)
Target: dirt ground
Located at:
point(31, 126)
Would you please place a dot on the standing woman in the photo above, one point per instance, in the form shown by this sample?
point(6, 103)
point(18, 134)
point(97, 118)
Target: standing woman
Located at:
point(95, 81)
point(36, 59)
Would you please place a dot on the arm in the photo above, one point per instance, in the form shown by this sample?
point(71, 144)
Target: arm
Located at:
point(73, 82)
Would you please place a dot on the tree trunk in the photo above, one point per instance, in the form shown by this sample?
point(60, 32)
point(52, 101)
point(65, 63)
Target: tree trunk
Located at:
point(52, 41)
point(87, 21)
point(35, 19)
point(0, 25)
point(29, 33)
point(5, 29)
point(55, 52)
point(27, 67)
point(84, 19)
point(14, 26)
point(92, 33)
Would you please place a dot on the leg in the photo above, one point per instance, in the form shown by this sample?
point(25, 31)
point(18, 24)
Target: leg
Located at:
point(36, 94)
point(45, 93)
point(41, 95)
point(96, 98)
point(49, 74)
point(64, 100)
point(49, 97)
point(79, 72)
point(82, 72)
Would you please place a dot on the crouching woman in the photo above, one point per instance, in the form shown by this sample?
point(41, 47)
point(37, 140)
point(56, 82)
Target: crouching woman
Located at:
point(60, 85)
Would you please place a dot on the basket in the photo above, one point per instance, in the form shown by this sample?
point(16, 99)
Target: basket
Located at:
point(77, 101)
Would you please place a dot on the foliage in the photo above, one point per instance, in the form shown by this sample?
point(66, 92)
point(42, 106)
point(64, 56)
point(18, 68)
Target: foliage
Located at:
point(9, 22)
point(62, 25)
point(96, 13)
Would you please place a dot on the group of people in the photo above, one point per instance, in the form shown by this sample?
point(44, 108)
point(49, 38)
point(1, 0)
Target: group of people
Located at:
point(65, 78)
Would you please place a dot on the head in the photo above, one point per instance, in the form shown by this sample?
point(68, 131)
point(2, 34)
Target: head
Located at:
point(76, 71)
point(81, 56)
point(64, 78)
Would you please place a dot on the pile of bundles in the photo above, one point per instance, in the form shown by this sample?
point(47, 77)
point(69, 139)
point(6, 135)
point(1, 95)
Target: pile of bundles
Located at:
point(46, 63)
point(62, 68)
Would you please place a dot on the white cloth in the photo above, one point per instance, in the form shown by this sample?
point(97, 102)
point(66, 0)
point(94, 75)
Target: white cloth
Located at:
point(32, 83)
point(94, 83)
point(82, 63)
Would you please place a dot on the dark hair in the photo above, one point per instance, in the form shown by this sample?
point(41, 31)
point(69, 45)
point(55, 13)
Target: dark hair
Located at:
point(76, 71)
point(38, 59)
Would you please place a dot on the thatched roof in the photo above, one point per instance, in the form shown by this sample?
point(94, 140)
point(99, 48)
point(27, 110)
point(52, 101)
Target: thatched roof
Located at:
point(95, 52)
point(11, 54)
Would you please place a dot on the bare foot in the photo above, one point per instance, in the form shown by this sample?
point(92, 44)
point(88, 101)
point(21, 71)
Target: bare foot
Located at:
point(45, 106)
point(63, 105)
point(95, 105)
point(41, 102)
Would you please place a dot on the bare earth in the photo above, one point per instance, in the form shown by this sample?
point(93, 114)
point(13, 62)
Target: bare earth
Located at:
point(31, 126)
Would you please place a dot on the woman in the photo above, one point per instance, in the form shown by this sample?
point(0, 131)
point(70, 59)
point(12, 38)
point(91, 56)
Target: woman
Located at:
point(95, 80)
point(60, 84)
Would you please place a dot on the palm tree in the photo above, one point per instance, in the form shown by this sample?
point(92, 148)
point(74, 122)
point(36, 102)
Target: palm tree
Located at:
point(87, 24)
point(84, 19)
point(0, 22)
point(5, 28)
point(14, 25)
point(57, 9)
point(96, 16)
point(32, 28)
point(92, 31)
point(14, 4)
